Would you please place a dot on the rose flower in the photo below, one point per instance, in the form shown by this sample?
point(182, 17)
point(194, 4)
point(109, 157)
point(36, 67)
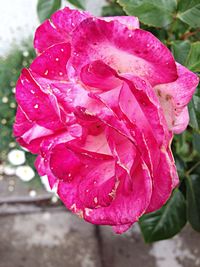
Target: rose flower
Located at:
point(99, 106)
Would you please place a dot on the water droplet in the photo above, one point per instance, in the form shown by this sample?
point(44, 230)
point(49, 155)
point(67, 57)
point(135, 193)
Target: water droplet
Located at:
point(130, 35)
point(62, 50)
point(46, 72)
point(95, 182)
point(73, 24)
point(60, 73)
point(57, 59)
point(148, 45)
point(95, 200)
point(36, 106)
point(32, 92)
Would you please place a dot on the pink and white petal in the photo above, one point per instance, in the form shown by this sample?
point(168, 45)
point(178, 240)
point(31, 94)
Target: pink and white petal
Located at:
point(175, 178)
point(88, 181)
point(65, 164)
point(127, 51)
point(28, 133)
point(148, 115)
point(99, 76)
point(128, 204)
point(146, 138)
point(51, 64)
point(98, 183)
point(175, 96)
point(122, 149)
point(58, 29)
point(181, 121)
point(119, 229)
point(37, 106)
point(97, 144)
point(163, 182)
point(130, 21)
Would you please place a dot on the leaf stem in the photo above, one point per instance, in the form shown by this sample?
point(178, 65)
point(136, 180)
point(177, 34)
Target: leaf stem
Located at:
point(186, 35)
point(192, 168)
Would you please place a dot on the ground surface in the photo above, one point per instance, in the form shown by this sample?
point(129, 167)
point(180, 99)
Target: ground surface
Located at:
point(56, 238)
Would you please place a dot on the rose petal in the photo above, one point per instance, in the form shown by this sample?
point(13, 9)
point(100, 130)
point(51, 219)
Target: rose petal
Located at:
point(58, 29)
point(130, 21)
point(134, 51)
point(175, 96)
point(38, 106)
point(127, 205)
point(51, 64)
point(163, 182)
point(99, 75)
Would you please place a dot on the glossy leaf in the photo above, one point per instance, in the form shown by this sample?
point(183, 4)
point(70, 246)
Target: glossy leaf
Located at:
point(196, 142)
point(167, 221)
point(193, 201)
point(189, 12)
point(193, 59)
point(158, 13)
point(78, 3)
point(180, 50)
point(46, 8)
point(195, 113)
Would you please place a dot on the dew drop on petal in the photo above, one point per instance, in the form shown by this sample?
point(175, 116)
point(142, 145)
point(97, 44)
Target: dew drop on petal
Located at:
point(46, 72)
point(95, 200)
point(57, 59)
point(36, 106)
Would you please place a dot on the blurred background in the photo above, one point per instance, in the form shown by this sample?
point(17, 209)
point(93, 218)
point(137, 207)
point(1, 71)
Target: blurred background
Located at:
point(35, 229)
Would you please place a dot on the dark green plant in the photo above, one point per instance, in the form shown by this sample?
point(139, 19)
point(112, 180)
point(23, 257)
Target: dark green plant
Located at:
point(10, 68)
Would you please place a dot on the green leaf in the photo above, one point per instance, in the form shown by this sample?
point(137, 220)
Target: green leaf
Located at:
point(189, 12)
point(46, 7)
point(158, 13)
point(78, 3)
point(196, 142)
point(194, 113)
point(193, 201)
point(193, 59)
point(167, 221)
point(180, 50)
point(112, 9)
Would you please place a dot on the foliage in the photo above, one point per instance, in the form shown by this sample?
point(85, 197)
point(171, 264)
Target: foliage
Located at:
point(10, 68)
point(46, 8)
point(167, 221)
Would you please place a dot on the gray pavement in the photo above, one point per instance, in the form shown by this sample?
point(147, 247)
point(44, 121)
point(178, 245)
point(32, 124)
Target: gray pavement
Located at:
point(49, 237)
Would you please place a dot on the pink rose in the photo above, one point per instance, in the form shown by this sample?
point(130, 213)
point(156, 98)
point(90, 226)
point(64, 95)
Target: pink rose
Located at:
point(100, 105)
